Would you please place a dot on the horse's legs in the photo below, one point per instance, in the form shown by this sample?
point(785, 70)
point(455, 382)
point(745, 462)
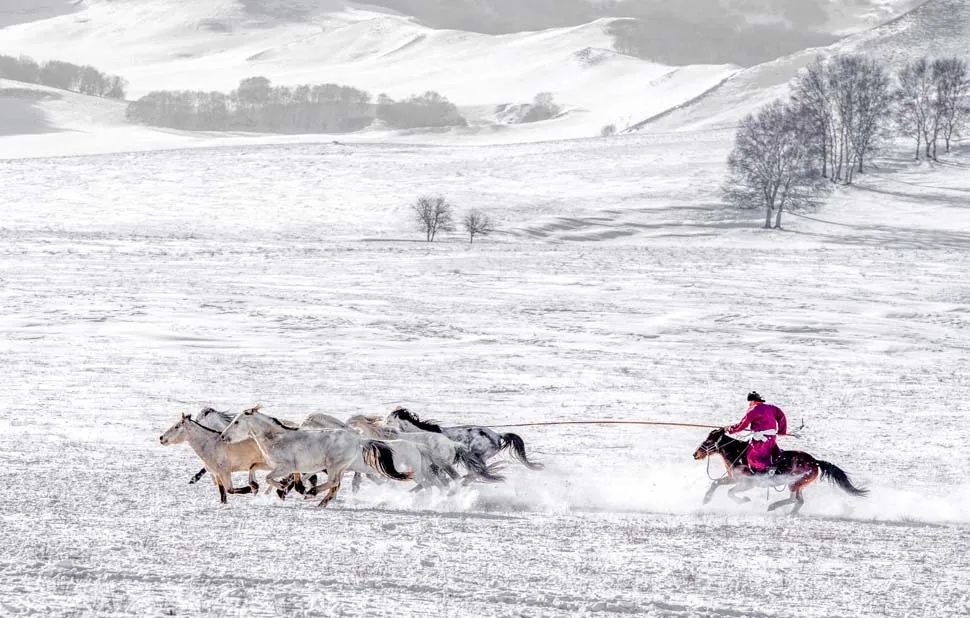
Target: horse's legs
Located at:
point(197, 476)
point(355, 483)
point(252, 478)
point(224, 482)
point(780, 503)
point(733, 493)
point(796, 492)
point(724, 480)
point(332, 485)
point(221, 486)
point(275, 480)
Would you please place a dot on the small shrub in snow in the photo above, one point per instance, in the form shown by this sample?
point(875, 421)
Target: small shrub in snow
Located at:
point(608, 130)
point(543, 108)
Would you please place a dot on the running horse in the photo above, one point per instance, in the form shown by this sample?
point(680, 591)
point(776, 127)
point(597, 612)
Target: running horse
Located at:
point(795, 469)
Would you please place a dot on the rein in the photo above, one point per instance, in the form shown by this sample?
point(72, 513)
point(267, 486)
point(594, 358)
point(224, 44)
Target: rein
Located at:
point(201, 426)
point(728, 467)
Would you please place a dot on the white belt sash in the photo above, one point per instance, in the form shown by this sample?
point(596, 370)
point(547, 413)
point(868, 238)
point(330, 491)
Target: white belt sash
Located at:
point(761, 436)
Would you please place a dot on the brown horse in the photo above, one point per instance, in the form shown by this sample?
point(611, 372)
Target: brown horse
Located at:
point(792, 468)
point(221, 459)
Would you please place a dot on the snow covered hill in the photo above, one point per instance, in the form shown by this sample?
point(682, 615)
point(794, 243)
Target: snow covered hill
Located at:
point(212, 44)
point(936, 28)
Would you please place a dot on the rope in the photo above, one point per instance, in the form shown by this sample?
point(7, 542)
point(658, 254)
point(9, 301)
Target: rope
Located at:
point(603, 423)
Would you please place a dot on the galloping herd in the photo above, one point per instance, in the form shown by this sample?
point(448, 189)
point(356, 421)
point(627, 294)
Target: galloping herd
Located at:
point(400, 447)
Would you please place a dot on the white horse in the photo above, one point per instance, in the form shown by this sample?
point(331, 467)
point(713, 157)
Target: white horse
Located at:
point(210, 418)
point(294, 451)
point(481, 440)
point(220, 421)
point(426, 469)
point(220, 458)
point(442, 449)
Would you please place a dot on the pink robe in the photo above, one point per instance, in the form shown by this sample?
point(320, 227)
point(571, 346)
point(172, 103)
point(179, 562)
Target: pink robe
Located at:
point(762, 417)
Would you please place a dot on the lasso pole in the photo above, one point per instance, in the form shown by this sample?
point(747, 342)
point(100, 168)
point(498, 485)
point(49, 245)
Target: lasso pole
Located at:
point(662, 423)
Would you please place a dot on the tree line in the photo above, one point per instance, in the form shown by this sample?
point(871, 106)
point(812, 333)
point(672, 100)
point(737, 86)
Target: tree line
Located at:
point(842, 111)
point(257, 105)
point(63, 75)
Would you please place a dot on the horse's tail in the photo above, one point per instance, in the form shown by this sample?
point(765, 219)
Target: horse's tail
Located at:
point(380, 457)
point(838, 476)
point(476, 465)
point(517, 449)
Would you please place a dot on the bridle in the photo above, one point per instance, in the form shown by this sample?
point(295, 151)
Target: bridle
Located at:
point(714, 448)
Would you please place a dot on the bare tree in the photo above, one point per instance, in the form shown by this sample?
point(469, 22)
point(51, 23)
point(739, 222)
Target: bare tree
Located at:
point(873, 104)
point(811, 92)
point(433, 214)
point(773, 164)
point(477, 223)
point(952, 80)
point(916, 109)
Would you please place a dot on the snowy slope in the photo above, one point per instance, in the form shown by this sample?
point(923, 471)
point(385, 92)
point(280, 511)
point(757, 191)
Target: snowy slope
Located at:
point(936, 28)
point(213, 44)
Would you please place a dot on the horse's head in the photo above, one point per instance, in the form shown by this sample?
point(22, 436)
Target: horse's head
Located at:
point(176, 433)
point(397, 418)
point(711, 444)
point(238, 428)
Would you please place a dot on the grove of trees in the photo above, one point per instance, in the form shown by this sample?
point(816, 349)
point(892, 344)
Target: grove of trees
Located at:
point(257, 105)
point(841, 112)
point(426, 110)
point(63, 75)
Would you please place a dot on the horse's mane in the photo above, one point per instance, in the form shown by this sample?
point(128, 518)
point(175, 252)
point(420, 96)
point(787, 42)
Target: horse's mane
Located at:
point(210, 429)
point(375, 424)
point(319, 419)
point(282, 424)
point(406, 415)
point(213, 412)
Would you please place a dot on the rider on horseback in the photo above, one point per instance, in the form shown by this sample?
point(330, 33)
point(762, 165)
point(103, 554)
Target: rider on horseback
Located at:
point(765, 421)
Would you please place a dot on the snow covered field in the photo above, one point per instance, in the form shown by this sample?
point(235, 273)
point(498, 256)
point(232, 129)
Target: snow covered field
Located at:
point(138, 286)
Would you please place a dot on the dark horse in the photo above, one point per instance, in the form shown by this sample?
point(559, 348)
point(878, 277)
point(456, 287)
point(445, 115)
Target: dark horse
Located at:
point(792, 468)
point(480, 440)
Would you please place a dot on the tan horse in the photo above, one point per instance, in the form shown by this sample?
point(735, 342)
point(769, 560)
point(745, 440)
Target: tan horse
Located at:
point(221, 458)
